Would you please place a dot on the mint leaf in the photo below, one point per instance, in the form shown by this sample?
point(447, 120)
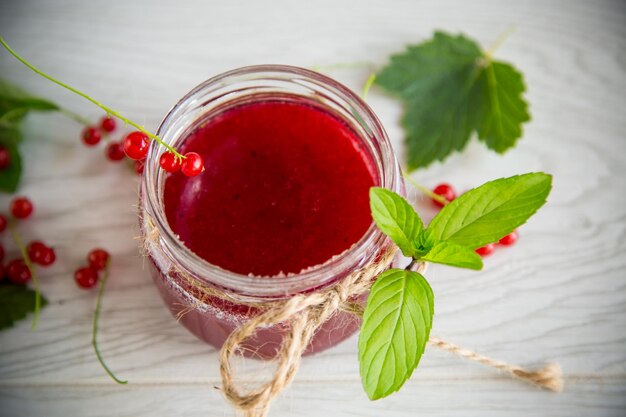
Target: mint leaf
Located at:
point(493, 210)
point(396, 326)
point(397, 219)
point(450, 88)
point(10, 176)
point(16, 301)
point(454, 255)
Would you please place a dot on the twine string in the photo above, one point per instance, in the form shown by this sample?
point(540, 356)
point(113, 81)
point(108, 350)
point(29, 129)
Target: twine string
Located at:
point(302, 315)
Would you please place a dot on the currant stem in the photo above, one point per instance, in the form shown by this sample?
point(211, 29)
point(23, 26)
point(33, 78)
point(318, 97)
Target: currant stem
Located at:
point(107, 109)
point(33, 273)
point(96, 316)
point(499, 41)
point(424, 190)
point(368, 84)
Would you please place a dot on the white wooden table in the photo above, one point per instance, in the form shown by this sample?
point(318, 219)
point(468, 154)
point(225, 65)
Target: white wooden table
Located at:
point(558, 295)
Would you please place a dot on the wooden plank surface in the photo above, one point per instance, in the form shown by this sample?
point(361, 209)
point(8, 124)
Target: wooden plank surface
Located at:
point(558, 295)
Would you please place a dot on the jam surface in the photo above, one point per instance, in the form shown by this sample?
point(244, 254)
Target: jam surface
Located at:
point(285, 188)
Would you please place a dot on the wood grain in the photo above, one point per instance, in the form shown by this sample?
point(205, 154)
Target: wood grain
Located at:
point(558, 295)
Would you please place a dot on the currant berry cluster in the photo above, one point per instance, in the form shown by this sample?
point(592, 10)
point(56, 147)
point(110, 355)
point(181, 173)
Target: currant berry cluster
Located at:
point(93, 135)
point(87, 276)
point(17, 270)
point(448, 193)
point(136, 146)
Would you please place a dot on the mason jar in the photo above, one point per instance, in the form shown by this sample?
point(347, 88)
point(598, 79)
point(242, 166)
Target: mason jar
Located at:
point(183, 278)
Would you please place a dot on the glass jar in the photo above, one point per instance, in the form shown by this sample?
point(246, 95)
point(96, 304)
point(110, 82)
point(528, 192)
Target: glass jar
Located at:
point(212, 319)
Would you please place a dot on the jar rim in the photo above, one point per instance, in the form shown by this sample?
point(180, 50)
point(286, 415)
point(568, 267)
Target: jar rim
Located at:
point(310, 278)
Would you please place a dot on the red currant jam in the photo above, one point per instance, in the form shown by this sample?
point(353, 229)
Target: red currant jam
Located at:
point(285, 188)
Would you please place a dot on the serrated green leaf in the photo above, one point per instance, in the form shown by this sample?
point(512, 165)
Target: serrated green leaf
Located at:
point(11, 175)
point(396, 326)
point(453, 255)
point(15, 103)
point(16, 301)
point(505, 111)
point(493, 210)
point(450, 89)
point(396, 218)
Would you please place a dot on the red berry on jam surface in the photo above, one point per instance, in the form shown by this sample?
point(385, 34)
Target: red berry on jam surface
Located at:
point(5, 158)
point(192, 164)
point(21, 207)
point(86, 277)
point(114, 151)
point(18, 272)
point(446, 191)
point(98, 259)
point(107, 124)
point(91, 136)
point(509, 239)
point(136, 145)
point(169, 162)
point(486, 250)
point(3, 223)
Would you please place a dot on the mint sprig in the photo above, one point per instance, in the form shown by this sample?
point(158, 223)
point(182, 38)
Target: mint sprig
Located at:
point(399, 310)
point(450, 89)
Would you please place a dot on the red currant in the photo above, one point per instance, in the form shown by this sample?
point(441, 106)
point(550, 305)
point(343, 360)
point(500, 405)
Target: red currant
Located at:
point(3, 223)
point(192, 164)
point(509, 239)
point(446, 191)
point(41, 254)
point(486, 250)
point(91, 136)
point(114, 151)
point(5, 158)
point(86, 277)
point(136, 145)
point(170, 162)
point(18, 272)
point(21, 207)
point(107, 124)
point(139, 167)
point(98, 259)
point(1, 254)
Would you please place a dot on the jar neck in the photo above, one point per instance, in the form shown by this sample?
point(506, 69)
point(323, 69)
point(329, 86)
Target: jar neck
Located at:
point(261, 83)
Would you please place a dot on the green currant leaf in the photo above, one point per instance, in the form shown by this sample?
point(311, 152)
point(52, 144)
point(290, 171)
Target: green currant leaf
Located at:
point(451, 89)
point(454, 255)
point(10, 176)
point(493, 210)
point(396, 218)
point(396, 326)
point(505, 110)
point(15, 103)
point(16, 301)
